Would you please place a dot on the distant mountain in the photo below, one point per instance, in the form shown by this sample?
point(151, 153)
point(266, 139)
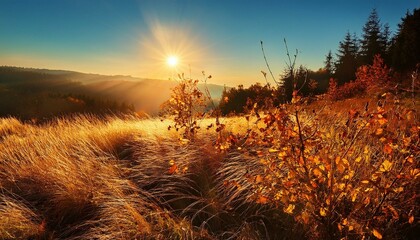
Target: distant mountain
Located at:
point(146, 94)
point(26, 92)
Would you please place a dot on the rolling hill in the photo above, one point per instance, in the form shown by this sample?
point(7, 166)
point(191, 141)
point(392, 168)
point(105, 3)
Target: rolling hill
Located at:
point(41, 93)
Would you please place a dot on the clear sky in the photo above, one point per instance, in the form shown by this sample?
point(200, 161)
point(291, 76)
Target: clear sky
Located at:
point(222, 37)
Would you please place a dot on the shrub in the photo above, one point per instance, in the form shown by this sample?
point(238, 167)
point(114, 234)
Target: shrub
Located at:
point(186, 105)
point(345, 177)
point(374, 76)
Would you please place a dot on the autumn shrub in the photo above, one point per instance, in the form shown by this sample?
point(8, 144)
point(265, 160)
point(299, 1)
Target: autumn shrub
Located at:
point(376, 76)
point(349, 177)
point(186, 106)
point(347, 90)
point(369, 79)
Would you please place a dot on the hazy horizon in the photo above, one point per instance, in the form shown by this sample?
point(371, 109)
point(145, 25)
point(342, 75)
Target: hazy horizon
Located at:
point(134, 38)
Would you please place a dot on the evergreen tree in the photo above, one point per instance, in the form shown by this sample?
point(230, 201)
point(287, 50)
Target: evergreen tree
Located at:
point(373, 40)
point(405, 48)
point(329, 63)
point(346, 64)
point(386, 39)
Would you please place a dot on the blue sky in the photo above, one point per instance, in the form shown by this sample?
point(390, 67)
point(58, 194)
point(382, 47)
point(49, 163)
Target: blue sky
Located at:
point(222, 37)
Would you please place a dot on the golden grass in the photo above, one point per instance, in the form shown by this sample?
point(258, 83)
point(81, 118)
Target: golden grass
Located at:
point(114, 178)
point(70, 172)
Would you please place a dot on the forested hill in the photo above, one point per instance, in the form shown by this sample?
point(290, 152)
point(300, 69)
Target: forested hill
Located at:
point(29, 93)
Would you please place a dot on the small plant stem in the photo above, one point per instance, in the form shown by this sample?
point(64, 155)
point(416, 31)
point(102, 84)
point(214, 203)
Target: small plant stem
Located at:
point(302, 145)
point(387, 192)
point(268, 65)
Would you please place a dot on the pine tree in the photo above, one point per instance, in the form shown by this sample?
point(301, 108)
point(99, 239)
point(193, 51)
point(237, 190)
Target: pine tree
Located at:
point(346, 64)
point(386, 39)
point(329, 63)
point(373, 40)
point(405, 48)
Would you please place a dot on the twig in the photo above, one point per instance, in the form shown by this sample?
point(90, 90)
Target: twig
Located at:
point(268, 65)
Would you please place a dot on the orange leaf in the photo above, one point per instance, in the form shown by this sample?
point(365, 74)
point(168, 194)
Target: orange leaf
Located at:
point(261, 199)
point(305, 217)
point(394, 212)
point(258, 179)
point(388, 149)
point(173, 169)
point(382, 121)
point(411, 219)
point(377, 234)
point(317, 172)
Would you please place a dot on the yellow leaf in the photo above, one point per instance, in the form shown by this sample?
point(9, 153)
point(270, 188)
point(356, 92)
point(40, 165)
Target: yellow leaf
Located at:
point(375, 177)
point(415, 172)
point(271, 150)
point(323, 212)
point(316, 159)
point(282, 154)
point(358, 159)
point(379, 131)
point(385, 166)
point(184, 140)
point(263, 161)
point(377, 234)
point(354, 196)
point(382, 121)
point(305, 217)
point(292, 198)
point(366, 150)
point(289, 209)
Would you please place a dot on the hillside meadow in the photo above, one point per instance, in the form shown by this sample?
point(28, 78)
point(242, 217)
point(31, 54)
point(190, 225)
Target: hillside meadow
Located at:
point(342, 170)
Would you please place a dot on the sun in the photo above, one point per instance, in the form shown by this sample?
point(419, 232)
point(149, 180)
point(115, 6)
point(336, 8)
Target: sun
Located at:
point(172, 61)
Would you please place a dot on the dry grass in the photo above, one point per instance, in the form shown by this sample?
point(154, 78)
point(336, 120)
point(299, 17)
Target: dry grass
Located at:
point(72, 175)
point(90, 178)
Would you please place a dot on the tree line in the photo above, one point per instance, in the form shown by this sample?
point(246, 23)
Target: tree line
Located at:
point(400, 52)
